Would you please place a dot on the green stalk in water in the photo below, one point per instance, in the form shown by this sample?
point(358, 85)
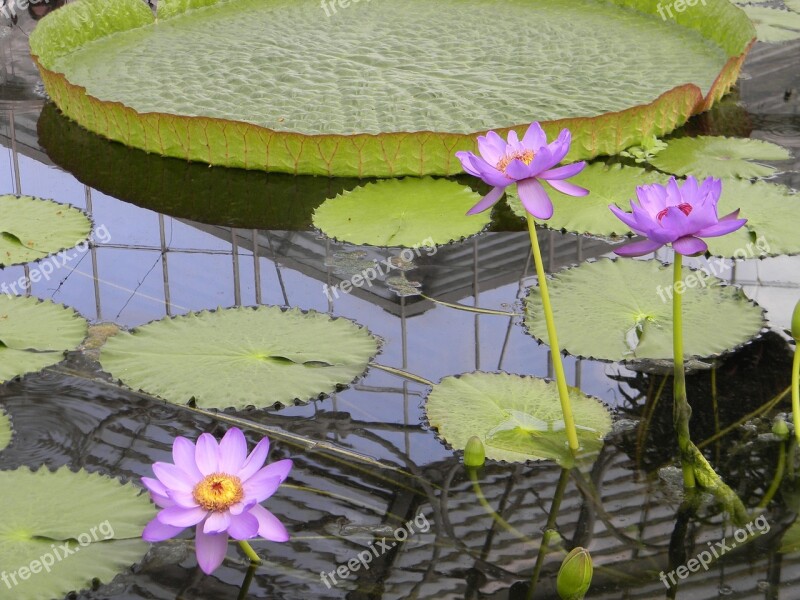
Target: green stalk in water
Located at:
point(681, 411)
point(796, 371)
point(555, 350)
point(251, 554)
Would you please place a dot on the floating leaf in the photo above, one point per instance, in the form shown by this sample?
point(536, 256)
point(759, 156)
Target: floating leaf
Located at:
point(622, 310)
point(61, 530)
point(32, 228)
point(241, 356)
point(773, 220)
point(793, 5)
point(35, 334)
point(517, 418)
point(712, 156)
point(5, 430)
point(402, 212)
point(307, 109)
point(607, 184)
point(774, 25)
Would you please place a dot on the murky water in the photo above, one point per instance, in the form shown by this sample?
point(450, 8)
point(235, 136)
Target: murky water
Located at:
point(365, 462)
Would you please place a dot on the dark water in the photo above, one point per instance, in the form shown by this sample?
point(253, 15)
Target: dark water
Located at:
point(184, 237)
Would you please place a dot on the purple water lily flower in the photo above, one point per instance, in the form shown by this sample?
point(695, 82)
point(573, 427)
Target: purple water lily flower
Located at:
point(525, 163)
point(219, 489)
point(677, 215)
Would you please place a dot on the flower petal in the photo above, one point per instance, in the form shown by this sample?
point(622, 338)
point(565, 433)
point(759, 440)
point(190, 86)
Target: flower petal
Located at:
point(269, 527)
point(156, 531)
point(183, 499)
point(628, 218)
point(487, 201)
point(638, 248)
point(217, 522)
point(206, 454)
point(158, 493)
point(570, 189)
point(243, 527)
point(516, 170)
point(177, 516)
point(723, 227)
point(261, 480)
point(497, 142)
point(689, 246)
point(255, 461)
point(564, 172)
point(535, 137)
point(211, 549)
point(183, 456)
point(534, 198)
point(560, 147)
point(173, 477)
point(466, 162)
point(232, 451)
point(488, 173)
point(489, 151)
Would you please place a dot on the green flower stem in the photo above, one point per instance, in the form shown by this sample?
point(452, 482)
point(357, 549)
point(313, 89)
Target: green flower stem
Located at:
point(555, 350)
point(248, 550)
point(681, 411)
point(244, 589)
point(780, 469)
point(476, 487)
point(796, 392)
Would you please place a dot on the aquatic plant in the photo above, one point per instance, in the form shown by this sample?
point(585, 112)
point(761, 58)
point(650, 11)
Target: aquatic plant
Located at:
point(219, 489)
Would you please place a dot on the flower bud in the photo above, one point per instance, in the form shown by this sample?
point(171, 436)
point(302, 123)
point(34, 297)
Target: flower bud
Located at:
point(474, 452)
point(575, 575)
point(796, 322)
point(780, 428)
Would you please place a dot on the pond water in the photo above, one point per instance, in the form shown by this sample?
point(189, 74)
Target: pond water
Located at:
point(181, 237)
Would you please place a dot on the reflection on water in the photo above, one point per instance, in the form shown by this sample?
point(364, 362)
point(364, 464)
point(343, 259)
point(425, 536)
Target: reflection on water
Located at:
point(365, 461)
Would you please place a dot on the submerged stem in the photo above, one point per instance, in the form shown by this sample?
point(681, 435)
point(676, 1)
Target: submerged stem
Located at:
point(681, 412)
point(555, 350)
point(248, 550)
point(796, 391)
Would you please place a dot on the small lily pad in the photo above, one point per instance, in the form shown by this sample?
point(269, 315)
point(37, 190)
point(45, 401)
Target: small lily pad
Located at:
point(717, 156)
point(32, 228)
point(621, 310)
point(773, 220)
point(517, 418)
point(607, 184)
point(62, 530)
point(241, 356)
point(5, 430)
point(774, 25)
point(35, 334)
point(402, 212)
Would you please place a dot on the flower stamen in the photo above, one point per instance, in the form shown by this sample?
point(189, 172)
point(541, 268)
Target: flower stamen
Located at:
point(526, 156)
point(685, 208)
point(218, 491)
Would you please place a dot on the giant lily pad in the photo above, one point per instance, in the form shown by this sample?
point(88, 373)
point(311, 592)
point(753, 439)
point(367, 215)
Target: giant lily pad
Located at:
point(774, 25)
point(407, 212)
point(386, 88)
point(5, 430)
point(607, 184)
point(773, 220)
point(711, 156)
point(31, 228)
point(622, 310)
point(35, 334)
point(241, 356)
point(61, 530)
point(517, 418)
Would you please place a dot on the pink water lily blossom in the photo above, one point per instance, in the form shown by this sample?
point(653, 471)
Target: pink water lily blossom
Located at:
point(677, 215)
point(219, 489)
point(527, 162)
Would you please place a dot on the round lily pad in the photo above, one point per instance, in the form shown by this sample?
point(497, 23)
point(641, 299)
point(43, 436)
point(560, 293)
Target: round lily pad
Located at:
point(621, 310)
point(241, 356)
point(607, 184)
point(62, 530)
point(774, 25)
point(5, 430)
point(717, 156)
point(773, 220)
point(35, 334)
point(386, 88)
point(517, 418)
point(32, 228)
point(402, 212)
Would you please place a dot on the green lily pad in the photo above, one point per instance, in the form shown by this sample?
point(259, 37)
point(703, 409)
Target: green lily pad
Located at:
point(607, 184)
point(774, 25)
point(790, 542)
point(517, 418)
point(5, 430)
point(241, 356)
point(402, 212)
point(345, 106)
point(792, 5)
point(61, 530)
point(711, 156)
point(32, 228)
point(773, 220)
point(621, 310)
point(35, 334)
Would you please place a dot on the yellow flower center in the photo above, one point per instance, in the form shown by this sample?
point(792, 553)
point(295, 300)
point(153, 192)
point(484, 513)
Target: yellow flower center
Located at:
point(525, 156)
point(218, 491)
